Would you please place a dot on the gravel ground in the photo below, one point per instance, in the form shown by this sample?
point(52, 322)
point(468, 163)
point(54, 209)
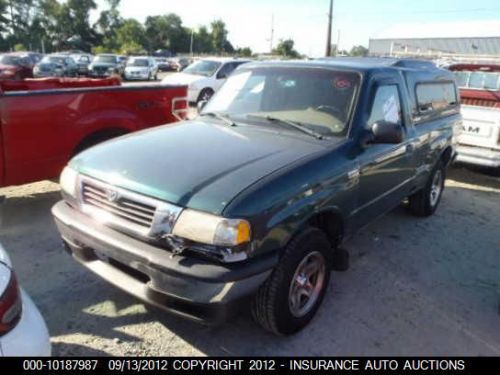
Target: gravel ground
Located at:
point(415, 287)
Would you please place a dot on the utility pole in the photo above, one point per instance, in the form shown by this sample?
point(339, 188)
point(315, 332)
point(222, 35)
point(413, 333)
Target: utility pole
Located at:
point(272, 35)
point(329, 35)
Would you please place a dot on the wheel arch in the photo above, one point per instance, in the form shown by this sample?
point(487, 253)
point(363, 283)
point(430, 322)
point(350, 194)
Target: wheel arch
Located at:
point(95, 137)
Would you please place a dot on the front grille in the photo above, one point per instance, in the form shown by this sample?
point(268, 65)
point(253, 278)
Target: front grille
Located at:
point(127, 211)
point(120, 205)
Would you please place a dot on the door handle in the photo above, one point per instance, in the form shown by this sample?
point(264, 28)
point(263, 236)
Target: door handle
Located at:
point(410, 148)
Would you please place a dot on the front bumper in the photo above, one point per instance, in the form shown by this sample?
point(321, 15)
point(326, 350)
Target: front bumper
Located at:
point(478, 156)
point(99, 74)
point(139, 77)
point(30, 337)
point(193, 288)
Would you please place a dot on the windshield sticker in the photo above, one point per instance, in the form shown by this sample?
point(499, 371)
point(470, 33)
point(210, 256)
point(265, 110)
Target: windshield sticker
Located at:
point(391, 110)
point(342, 83)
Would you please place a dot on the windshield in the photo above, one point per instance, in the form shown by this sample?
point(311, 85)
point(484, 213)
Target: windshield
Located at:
point(478, 80)
point(10, 60)
point(319, 99)
point(205, 68)
point(106, 59)
point(53, 60)
point(138, 62)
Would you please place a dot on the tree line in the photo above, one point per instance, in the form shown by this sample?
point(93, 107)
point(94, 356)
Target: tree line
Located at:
point(52, 25)
point(56, 25)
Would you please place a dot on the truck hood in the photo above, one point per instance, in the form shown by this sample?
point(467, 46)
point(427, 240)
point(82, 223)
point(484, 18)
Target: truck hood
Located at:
point(194, 164)
point(182, 79)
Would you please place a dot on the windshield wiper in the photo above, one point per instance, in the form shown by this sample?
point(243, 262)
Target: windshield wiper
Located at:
point(220, 116)
point(294, 124)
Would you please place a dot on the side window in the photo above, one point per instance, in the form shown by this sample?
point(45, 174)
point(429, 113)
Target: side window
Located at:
point(225, 71)
point(433, 97)
point(386, 105)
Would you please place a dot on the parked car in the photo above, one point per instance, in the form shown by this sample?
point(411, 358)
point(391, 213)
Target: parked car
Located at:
point(56, 65)
point(106, 65)
point(164, 65)
point(479, 85)
point(205, 77)
point(141, 68)
point(23, 332)
point(253, 198)
point(179, 63)
point(82, 61)
point(15, 66)
point(46, 122)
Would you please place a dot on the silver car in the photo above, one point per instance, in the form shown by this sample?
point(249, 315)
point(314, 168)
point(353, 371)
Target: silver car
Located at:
point(141, 68)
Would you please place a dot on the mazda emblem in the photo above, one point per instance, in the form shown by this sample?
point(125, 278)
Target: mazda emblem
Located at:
point(112, 195)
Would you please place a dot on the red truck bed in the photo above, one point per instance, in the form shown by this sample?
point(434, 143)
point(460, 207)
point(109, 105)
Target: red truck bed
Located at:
point(46, 122)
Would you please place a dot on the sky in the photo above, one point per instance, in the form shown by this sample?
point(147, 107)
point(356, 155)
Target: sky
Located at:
point(305, 21)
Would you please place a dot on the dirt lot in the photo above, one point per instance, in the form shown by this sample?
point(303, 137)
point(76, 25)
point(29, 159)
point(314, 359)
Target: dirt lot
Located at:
point(415, 287)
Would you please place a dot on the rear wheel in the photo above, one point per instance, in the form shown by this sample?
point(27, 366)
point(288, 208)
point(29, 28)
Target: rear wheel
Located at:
point(291, 296)
point(425, 202)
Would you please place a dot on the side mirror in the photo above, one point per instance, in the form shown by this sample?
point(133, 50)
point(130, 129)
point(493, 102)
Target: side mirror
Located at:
point(201, 104)
point(387, 132)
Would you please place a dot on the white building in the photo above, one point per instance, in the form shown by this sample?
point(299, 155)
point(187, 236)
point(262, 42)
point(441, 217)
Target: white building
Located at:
point(438, 39)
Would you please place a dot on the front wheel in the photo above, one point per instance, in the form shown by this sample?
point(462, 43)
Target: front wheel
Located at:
point(205, 95)
point(425, 202)
point(291, 296)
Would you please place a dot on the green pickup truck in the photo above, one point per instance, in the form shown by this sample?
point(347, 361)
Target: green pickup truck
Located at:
point(250, 201)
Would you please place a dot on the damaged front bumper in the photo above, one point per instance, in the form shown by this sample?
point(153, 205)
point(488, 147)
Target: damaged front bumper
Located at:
point(194, 288)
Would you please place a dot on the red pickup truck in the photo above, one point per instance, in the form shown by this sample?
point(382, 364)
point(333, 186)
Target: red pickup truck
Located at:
point(46, 122)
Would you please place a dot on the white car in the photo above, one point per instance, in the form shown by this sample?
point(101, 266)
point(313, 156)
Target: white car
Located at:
point(141, 68)
point(204, 77)
point(23, 332)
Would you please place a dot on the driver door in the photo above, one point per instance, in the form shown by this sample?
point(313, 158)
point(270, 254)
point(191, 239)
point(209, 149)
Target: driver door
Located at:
point(386, 170)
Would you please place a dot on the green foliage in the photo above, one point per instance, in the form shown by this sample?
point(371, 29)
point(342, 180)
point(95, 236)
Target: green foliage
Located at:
point(132, 48)
point(244, 52)
point(202, 41)
point(358, 51)
point(219, 36)
point(65, 24)
point(166, 32)
point(19, 47)
point(285, 48)
point(131, 33)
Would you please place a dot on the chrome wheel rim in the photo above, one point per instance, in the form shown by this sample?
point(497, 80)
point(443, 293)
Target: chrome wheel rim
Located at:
point(307, 284)
point(436, 187)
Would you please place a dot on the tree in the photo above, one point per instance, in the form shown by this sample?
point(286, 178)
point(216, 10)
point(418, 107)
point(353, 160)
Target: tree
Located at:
point(219, 36)
point(285, 48)
point(358, 51)
point(167, 32)
point(203, 41)
point(108, 23)
point(131, 35)
point(244, 52)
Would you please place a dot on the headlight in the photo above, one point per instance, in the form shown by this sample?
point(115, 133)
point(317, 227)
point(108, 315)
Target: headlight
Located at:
point(68, 181)
point(212, 230)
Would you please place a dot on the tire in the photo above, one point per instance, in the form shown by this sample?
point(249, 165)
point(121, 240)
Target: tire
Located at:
point(205, 94)
point(425, 202)
point(273, 306)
